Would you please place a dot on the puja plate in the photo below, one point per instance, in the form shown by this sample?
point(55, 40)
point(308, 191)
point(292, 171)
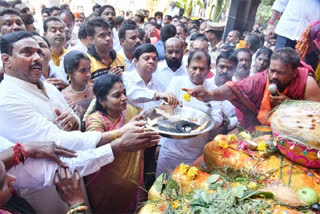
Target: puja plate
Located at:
point(183, 113)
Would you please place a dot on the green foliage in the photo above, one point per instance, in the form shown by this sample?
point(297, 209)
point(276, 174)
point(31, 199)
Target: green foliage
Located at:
point(230, 200)
point(187, 5)
point(218, 9)
point(224, 200)
point(267, 2)
point(264, 11)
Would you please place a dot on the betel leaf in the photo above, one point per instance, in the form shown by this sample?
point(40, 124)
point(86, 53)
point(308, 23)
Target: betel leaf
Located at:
point(241, 180)
point(214, 186)
point(200, 198)
point(213, 178)
point(158, 184)
point(239, 191)
point(250, 193)
point(205, 197)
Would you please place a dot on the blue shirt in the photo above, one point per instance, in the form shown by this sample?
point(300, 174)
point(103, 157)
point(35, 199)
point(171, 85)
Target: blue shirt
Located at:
point(160, 49)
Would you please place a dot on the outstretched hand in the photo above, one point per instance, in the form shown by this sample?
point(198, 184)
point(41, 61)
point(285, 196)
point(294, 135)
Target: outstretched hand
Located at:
point(49, 150)
point(135, 139)
point(199, 93)
point(135, 122)
point(68, 186)
point(170, 98)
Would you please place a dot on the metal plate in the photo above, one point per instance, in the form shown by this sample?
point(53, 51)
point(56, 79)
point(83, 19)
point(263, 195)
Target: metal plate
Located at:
point(186, 113)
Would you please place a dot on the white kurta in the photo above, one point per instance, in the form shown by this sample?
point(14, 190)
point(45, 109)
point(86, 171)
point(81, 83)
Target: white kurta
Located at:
point(139, 94)
point(164, 74)
point(296, 16)
point(39, 173)
point(27, 114)
point(130, 66)
point(176, 151)
point(116, 40)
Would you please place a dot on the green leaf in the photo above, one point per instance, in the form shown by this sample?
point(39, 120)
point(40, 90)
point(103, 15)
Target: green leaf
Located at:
point(250, 193)
point(213, 178)
point(241, 180)
point(205, 197)
point(158, 184)
point(239, 191)
point(214, 186)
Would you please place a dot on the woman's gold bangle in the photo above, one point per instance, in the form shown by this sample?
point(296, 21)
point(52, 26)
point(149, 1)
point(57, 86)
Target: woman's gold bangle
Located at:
point(80, 208)
point(115, 134)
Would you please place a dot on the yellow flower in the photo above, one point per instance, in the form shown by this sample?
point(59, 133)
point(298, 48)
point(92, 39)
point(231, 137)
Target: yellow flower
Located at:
point(232, 138)
point(192, 173)
point(262, 146)
point(223, 144)
point(252, 185)
point(237, 184)
point(175, 205)
point(183, 169)
point(245, 135)
point(186, 97)
point(187, 189)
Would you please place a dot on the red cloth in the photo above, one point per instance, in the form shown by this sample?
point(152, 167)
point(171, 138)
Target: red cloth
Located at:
point(210, 75)
point(155, 36)
point(249, 93)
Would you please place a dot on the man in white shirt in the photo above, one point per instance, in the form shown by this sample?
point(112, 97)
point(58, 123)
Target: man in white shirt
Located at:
point(174, 151)
point(225, 69)
point(143, 90)
point(172, 65)
point(173, 10)
point(295, 18)
point(128, 35)
point(29, 112)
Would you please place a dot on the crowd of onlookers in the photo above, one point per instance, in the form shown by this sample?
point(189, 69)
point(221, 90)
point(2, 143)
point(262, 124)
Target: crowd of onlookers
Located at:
point(73, 88)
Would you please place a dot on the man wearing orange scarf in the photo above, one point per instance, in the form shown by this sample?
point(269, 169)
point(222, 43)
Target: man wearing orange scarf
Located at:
point(294, 80)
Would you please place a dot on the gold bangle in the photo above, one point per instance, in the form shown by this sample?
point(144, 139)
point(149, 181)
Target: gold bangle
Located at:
point(114, 134)
point(78, 205)
point(80, 208)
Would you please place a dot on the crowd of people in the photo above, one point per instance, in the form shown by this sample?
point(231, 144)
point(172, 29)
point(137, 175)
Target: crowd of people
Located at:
point(72, 139)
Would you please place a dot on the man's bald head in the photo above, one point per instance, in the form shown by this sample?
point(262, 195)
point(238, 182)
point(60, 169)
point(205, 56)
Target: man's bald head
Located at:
point(233, 37)
point(201, 43)
point(173, 41)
